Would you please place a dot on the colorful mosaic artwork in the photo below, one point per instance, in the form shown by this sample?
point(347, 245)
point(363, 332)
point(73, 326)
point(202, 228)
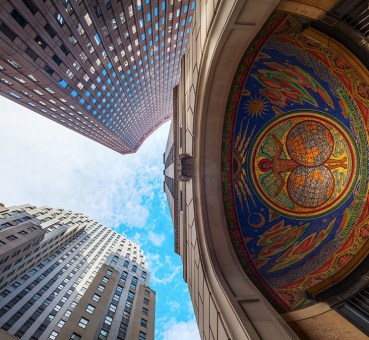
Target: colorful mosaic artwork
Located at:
point(298, 168)
point(294, 162)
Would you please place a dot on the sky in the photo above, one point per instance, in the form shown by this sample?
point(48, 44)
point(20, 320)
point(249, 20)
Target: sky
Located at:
point(46, 164)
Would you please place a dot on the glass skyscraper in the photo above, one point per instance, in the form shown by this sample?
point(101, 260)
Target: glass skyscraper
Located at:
point(105, 69)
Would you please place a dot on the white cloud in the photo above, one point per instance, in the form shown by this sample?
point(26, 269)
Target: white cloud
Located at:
point(168, 260)
point(180, 330)
point(156, 239)
point(166, 278)
point(173, 306)
point(44, 163)
point(155, 264)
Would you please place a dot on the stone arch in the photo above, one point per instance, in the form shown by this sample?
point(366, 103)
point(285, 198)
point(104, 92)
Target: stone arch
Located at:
point(245, 311)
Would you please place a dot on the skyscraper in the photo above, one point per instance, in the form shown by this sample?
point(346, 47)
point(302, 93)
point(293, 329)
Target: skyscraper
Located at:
point(105, 69)
point(65, 276)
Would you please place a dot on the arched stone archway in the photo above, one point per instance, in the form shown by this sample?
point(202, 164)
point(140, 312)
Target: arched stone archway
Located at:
point(227, 300)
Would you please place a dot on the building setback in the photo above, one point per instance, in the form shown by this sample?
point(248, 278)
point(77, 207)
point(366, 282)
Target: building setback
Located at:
point(105, 69)
point(66, 276)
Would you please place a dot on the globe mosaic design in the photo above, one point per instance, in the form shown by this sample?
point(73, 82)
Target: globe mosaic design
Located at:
point(310, 187)
point(309, 143)
point(303, 164)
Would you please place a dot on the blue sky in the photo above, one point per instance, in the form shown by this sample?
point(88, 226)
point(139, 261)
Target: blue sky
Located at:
point(44, 163)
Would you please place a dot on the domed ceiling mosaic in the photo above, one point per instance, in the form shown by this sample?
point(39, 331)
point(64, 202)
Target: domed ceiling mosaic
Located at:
point(294, 162)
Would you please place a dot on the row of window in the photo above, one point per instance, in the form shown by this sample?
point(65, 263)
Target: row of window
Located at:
point(20, 233)
point(47, 301)
point(57, 59)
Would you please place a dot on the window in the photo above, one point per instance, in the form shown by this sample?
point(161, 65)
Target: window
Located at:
point(7, 82)
point(145, 311)
point(88, 20)
point(31, 54)
point(53, 335)
point(7, 31)
point(147, 293)
point(11, 237)
point(22, 233)
point(48, 69)
point(103, 335)
point(56, 59)
point(105, 279)
point(80, 29)
point(72, 39)
point(108, 320)
point(144, 323)
point(13, 63)
point(15, 284)
point(134, 268)
point(131, 295)
point(101, 288)
point(142, 336)
point(5, 293)
point(146, 301)
point(96, 297)
point(59, 18)
point(109, 272)
point(69, 74)
point(16, 253)
point(2, 243)
point(90, 48)
point(18, 18)
point(90, 309)
point(83, 322)
point(31, 6)
point(112, 308)
point(77, 65)
point(40, 42)
point(64, 49)
point(31, 76)
point(128, 304)
point(50, 30)
point(105, 31)
point(75, 336)
point(126, 314)
point(61, 323)
point(68, 313)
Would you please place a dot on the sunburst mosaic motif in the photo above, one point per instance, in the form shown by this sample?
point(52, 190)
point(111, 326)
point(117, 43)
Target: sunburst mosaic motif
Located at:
point(256, 107)
point(294, 162)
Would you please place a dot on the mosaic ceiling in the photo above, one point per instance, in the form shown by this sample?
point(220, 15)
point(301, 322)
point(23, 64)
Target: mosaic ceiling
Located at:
point(294, 162)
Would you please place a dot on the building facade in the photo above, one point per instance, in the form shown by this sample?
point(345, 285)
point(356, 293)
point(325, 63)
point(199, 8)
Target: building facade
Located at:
point(104, 69)
point(65, 276)
point(268, 251)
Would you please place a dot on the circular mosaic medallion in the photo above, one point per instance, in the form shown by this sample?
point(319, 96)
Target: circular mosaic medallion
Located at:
point(303, 164)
